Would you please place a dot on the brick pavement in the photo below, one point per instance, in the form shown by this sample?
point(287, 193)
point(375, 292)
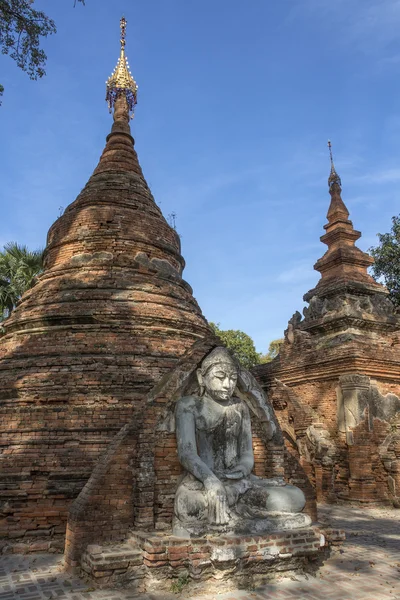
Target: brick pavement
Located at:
point(366, 568)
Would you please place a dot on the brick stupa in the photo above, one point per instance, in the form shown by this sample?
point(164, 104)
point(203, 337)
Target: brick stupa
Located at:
point(344, 274)
point(107, 318)
point(336, 382)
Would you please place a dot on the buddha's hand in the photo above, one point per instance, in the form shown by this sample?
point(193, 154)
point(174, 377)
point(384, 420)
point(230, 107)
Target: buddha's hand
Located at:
point(218, 513)
point(235, 473)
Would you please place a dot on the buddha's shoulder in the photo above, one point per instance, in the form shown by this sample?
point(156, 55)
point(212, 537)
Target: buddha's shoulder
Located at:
point(189, 404)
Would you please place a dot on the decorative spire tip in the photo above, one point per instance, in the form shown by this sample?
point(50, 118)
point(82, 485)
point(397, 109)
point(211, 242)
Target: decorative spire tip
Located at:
point(333, 177)
point(121, 82)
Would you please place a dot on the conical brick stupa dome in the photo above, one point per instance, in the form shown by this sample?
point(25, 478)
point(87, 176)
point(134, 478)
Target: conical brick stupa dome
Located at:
point(108, 317)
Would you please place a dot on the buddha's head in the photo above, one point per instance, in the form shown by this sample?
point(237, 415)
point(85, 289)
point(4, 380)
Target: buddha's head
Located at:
point(218, 375)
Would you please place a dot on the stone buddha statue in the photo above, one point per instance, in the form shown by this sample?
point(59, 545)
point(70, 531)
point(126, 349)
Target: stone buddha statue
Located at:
point(218, 492)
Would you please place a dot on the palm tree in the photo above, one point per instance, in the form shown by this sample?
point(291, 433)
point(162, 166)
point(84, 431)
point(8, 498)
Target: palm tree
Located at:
point(19, 268)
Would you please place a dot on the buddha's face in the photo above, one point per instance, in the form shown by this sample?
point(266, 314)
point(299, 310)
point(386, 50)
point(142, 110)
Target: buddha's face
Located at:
point(220, 381)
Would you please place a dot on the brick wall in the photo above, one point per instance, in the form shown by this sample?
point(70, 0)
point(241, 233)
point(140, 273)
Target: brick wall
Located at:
point(304, 386)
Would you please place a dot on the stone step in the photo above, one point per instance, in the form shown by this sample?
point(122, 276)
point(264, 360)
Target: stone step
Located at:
point(97, 559)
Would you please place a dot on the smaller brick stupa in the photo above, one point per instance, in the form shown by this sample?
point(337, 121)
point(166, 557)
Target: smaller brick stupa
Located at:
point(346, 298)
point(336, 382)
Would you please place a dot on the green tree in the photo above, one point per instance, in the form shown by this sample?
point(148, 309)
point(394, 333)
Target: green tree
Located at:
point(21, 31)
point(241, 345)
point(387, 260)
point(273, 351)
point(19, 268)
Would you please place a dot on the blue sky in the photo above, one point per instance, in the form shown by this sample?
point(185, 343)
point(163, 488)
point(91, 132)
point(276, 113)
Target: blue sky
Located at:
point(236, 103)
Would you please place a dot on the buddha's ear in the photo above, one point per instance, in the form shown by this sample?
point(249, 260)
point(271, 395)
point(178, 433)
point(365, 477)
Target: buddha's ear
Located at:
point(200, 380)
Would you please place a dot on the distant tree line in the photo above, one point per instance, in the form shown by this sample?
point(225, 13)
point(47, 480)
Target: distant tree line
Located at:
point(242, 346)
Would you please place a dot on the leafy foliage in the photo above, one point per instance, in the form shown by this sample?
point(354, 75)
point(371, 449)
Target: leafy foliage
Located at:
point(241, 345)
point(21, 31)
point(387, 260)
point(273, 351)
point(19, 268)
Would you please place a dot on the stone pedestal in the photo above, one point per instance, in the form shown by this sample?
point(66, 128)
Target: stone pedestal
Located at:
point(160, 561)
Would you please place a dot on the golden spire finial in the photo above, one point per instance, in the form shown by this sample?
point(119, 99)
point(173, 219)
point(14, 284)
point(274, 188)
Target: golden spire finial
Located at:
point(122, 25)
point(333, 177)
point(121, 81)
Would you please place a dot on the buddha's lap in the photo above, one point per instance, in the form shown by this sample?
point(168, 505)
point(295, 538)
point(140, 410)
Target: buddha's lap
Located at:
point(285, 498)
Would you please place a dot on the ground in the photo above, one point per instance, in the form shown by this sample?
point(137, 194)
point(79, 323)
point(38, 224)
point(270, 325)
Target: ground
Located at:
point(367, 567)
